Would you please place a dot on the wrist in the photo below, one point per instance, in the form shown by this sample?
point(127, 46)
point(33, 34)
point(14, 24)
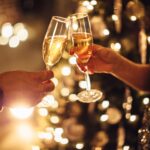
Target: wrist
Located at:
point(118, 64)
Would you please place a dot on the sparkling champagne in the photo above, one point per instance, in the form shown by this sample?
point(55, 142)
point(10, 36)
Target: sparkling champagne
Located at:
point(53, 49)
point(81, 42)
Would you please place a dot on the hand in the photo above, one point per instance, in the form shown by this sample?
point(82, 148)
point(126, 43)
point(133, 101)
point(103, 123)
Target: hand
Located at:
point(101, 60)
point(25, 88)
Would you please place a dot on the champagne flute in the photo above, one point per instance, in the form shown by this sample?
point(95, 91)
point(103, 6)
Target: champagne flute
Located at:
point(54, 41)
point(81, 36)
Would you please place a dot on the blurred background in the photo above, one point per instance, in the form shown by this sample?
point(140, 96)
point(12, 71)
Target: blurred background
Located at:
point(119, 121)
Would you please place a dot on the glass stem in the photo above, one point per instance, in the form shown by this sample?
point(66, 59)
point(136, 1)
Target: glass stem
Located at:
point(88, 82)
point(48, 67)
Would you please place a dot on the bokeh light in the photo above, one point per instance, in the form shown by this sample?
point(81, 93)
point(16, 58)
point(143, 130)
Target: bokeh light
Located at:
point(21, 113)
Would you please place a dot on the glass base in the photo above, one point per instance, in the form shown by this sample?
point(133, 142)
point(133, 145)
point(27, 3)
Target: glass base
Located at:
point(89, 96)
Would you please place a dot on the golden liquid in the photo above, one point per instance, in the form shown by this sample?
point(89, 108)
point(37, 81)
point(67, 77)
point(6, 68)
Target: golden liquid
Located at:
point(53, 49)
point(81, 43)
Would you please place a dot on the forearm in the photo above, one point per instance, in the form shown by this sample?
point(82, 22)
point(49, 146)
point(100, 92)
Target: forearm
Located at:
point(135, 75)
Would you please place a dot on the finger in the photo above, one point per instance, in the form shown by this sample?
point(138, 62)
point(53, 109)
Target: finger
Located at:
point(81, 66)
point(48, 86)
point(45, 75)
point(73, 50)
point(90, 67)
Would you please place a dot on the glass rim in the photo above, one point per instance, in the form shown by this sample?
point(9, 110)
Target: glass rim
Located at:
point(60, 19)
point(79, 15)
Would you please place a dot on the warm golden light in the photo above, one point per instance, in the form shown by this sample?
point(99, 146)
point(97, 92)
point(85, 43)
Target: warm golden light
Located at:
point(73, 97)
point(82, 84)
point(58, 134)
point(66, 71)
point(3, 40)
point(79, 145)
point(18, 26)
point(146, 101)
point(126, 148)
point(85, 3)
point(148, 39)
point(133, 118)
point(65, 92)
point(116, 46)
point(55, 81)
point(22, 34)
point(114, 17)
point(7, 30)
point(64, 141)
point(14, 41)
point(72, 60)
point(133, 18)
point(54, 119)
point(34, 147)
point(48, 101)
point(106, 32)
point(90, 7)
point(25, 131)
point(93, 2)
point(43, 112)
point(105, 104)
point(21, 113)
point(45, 135)
point(104, 117)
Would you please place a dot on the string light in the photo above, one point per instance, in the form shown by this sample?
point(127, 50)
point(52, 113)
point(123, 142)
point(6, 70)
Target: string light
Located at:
point(93, 2)
point(58, 134)
point(18, 26)
point(13, 35)
point(48, 101)
point(54, 119)
point(116, 46)
point(66, 71)
point(14, 41)
point(132, 118)
point(22, 34)
point(45, 135)
point(82, 84)
point(64, 141)
point(126, 147)
point(114, 17)
point(146, 101)
point(106, 32)
point(72, 60)
point(104, 117)
point(133, 18)
point(90, 7)
point(105, 104)
point(79, 146)
point(43, 112)
point(73, 97)
point(65, 92)
point(7, 30)
point(85, 3)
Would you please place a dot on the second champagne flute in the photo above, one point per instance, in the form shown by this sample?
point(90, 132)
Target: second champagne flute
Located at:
point(54, 41)
point(81, 36)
